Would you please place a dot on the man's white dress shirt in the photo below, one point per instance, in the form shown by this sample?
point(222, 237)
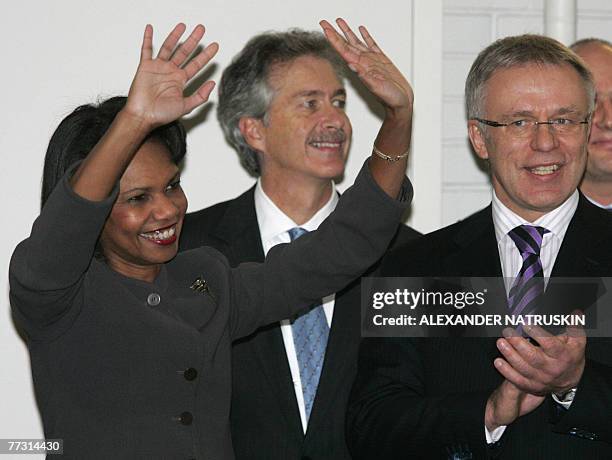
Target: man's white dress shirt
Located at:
point(273, 228)
point(556, 222)
point(602, 206)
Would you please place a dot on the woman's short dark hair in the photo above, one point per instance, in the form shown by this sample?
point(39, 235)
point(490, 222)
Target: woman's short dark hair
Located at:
point(80, 131)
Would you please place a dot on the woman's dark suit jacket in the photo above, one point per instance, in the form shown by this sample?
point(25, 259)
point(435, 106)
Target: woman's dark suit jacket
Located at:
point(128, 369)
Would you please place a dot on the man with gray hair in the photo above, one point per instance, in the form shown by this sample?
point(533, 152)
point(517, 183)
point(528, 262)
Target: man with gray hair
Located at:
point(529, 102)
point(597, 181)
point(281, 106)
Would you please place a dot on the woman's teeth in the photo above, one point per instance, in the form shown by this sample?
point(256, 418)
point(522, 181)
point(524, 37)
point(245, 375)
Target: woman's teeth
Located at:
point(160, 234)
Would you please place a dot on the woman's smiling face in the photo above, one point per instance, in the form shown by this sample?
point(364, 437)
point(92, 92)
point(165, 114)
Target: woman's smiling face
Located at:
point(142, 230)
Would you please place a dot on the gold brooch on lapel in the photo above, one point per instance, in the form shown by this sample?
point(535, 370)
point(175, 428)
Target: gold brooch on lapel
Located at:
point(201, 285)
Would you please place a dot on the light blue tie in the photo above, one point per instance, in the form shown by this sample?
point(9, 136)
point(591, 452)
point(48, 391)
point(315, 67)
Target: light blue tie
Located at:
point(310, 333)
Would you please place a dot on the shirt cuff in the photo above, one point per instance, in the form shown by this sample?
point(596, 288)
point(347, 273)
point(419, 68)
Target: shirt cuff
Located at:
point(495, 435)
point(567, 402)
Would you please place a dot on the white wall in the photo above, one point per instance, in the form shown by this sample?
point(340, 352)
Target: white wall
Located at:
point(469, 26)
point(59, 54)
point(594, 19)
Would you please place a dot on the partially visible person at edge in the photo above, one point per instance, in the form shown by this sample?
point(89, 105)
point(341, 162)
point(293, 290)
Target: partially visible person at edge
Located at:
point(282, 107)
point(130, 345)
point(597, 181)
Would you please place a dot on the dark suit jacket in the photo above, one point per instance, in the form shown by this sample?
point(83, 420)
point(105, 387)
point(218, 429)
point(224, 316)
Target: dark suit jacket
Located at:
point(127, 369)
point(425, 398)
point(265, 419)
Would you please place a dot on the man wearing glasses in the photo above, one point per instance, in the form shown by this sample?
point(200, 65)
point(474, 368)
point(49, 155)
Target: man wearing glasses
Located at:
point(529, 102)
point(597, 182)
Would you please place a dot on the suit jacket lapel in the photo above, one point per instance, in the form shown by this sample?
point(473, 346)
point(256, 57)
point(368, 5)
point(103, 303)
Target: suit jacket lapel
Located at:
point(344, 335)
point(586, 243)
point(477, 253)
point(270, 352)
point(584, 253)
point(478, 256)
point(240, 230)
point(340, 365)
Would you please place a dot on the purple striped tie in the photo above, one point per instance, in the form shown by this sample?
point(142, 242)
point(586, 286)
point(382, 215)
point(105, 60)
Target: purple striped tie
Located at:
point(529, 283)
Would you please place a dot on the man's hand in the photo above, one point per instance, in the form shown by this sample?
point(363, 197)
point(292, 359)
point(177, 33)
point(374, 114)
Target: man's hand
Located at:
point(554, 367)
point(507, 403)
point(156, 93)
point(374, 68)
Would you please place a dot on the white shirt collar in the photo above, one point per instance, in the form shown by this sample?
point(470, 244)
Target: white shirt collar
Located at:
point(596, 203)
point(556, 221)
point(274, 223)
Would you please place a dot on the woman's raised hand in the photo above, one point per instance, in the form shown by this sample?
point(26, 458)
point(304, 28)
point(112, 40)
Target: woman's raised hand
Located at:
point(386, 82)
point(156, 94)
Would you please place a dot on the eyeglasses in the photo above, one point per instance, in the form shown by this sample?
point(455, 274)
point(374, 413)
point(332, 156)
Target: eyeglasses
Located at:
point(525, 128)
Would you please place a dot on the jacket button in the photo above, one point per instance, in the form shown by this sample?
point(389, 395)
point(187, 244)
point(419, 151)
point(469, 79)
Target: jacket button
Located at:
point(153, 299)
point(186, 418)
point(190, 374)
